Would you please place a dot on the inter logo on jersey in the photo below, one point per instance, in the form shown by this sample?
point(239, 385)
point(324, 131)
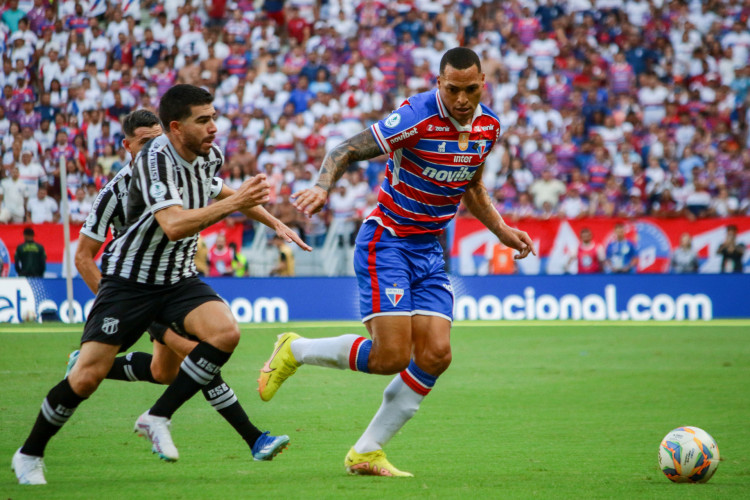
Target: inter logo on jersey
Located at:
point(394, 295)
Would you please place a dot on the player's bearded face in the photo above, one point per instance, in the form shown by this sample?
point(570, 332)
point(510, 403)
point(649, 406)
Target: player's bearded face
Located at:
point(460, 91)
point(199, 131)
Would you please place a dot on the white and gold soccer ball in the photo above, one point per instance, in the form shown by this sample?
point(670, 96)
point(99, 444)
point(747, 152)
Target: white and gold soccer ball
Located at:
point(29, 315)
point(688, 455)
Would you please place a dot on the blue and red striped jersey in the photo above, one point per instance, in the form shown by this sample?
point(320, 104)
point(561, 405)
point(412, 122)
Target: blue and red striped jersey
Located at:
point(431, 160)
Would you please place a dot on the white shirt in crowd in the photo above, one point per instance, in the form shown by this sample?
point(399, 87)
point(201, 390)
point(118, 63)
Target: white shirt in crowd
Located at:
point(14, 194)
point(41, 211)
point(79, 210)
point(31, 175)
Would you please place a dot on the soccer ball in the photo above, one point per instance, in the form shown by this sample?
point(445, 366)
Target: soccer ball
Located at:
point(29, 316)
point(688, 455)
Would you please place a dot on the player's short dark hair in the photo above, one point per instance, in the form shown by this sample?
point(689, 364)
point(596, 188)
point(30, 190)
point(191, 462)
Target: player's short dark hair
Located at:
point(176, 103)
point(136, 119)
point(460, 58)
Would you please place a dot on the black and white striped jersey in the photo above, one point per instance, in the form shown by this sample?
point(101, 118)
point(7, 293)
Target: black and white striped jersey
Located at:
point(109, 208)
point(161, 179)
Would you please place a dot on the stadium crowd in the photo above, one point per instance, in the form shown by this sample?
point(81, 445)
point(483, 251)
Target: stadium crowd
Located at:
point(610, 108)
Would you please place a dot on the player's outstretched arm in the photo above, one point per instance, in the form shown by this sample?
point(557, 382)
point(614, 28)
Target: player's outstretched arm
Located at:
point(478, 201)
point(85, 260)
point(362, 146)
point(178, 223)
point(263, 216)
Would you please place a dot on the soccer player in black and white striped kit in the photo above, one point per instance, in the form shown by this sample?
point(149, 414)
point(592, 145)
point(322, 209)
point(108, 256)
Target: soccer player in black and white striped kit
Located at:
point(170, 349)
point(148, 275)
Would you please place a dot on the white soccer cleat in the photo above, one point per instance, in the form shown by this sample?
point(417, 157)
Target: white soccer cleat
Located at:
point(28, 469)
point(156, 429)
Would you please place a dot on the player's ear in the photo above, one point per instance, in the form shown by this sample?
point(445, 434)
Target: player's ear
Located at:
point(126, 144)
point(174, 126)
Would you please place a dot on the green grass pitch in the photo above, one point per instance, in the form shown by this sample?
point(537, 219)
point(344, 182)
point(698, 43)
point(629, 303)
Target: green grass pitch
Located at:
point(527, 410)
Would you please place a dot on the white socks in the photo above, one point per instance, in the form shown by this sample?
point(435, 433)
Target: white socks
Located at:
point(400, 403)
point(401, 400)
point(345, 352)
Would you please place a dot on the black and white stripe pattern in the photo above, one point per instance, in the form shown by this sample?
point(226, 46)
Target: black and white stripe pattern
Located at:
point(109, 208)
point(196, 372)
point(221, 396)
point(128, 370)
point(161, 178)
point(56, 416)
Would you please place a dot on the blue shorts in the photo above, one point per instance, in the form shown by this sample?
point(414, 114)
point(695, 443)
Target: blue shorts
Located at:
point(401, 276)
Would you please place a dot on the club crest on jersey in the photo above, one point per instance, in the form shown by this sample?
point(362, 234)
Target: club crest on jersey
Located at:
point(481, 147)
point(393, 120)
point(109, 325)
point(394, 295)
point(463, 141)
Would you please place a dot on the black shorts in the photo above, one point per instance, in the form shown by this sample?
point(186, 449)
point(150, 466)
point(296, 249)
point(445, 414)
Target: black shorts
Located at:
point(157, 330)
point(123, 310)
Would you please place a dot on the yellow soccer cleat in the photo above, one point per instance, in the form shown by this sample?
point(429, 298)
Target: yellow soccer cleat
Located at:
point(280, 366)
point(372, 463)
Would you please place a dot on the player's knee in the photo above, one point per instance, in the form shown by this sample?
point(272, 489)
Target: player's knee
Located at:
point(388, 365)
point(228, 337)
point(435, 361)
point(224, 336)
point(163, 375)
point(84, 382)
point(232, 335)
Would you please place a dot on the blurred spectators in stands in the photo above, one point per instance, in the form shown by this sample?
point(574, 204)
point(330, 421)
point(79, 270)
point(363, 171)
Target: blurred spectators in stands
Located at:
point(684, 258)
point(220, 258)
point(30, 258)
point(588, 256)
point(14, 194)
point(608, 97)
point(621, 255)
point(501, 260)
point(285, 263)
point(201, 257)
point(240, 266)
point(42, 208)
point(79, 207)
point(731, 252)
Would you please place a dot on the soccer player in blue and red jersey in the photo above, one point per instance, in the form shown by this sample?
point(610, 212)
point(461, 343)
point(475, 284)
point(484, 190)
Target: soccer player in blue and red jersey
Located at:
point(437, 142)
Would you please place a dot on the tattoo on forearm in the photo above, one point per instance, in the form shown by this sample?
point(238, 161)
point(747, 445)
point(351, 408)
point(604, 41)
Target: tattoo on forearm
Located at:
point(360, 147)
point(479, 203)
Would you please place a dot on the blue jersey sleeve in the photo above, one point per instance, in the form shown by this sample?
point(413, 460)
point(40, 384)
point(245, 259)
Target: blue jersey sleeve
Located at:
point(632, 252)
point(399, 130)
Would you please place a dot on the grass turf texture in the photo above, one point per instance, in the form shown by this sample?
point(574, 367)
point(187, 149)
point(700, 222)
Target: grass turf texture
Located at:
point(527, 410)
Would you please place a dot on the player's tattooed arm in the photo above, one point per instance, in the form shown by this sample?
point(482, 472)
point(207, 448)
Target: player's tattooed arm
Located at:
point(358, 148)
point(478, 201)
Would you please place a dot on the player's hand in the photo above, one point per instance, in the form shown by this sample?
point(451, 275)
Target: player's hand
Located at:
point(254, 191)
point(518, 240)
point(287, 234)
point(310, 201)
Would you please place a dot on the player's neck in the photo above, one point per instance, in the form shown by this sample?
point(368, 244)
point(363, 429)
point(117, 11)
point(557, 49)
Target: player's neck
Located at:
point(184, 152)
